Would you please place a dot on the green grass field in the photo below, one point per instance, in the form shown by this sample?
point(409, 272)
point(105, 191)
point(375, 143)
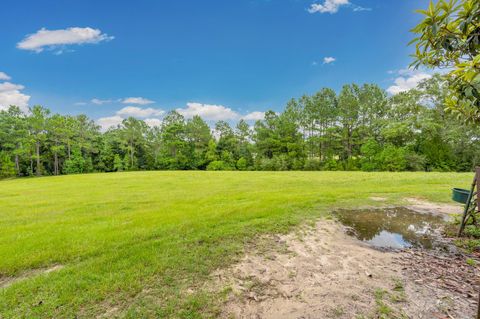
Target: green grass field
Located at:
point(134, 242)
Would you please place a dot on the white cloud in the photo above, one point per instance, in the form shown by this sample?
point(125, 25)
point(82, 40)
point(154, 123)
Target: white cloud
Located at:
point(110, 121)
point(332, 6)
point(52, 39)
point(139, 112)
point(153, 116)
point(328, 60)
point(153, 122)
point(208, 112)
point(4, 76)
point(10, 94)
point(329, 6)
point(137, 100)
point(408, 79)
point(148, 114)
point(100, 102)
point(254, 116)
point(358, 8)
point(7, 86)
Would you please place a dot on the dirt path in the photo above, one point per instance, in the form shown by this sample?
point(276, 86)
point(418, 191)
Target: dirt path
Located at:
point(323, 273)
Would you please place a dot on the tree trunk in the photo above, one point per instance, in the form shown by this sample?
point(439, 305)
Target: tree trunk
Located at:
point(55, 168)
point(37, 150)
point(17, 159)
point(17, 164)
point(349, 143)
point(131, 155)
point(55, 164)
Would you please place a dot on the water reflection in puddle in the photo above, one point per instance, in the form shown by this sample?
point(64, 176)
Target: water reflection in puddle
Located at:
point(393, 228)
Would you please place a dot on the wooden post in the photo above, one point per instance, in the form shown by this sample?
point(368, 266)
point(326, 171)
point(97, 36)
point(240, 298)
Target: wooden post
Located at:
point(477, 177)
point(467, 206)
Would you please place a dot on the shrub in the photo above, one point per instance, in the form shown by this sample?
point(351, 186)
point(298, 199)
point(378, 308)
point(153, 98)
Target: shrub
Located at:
point(75, 165)
point(392, 159)
point(218, 166)
point(268, 164)
point(332, 165)
point(242, 164)
point(117, 163)
point(312, 164)
point(369, 160)
point(7, 167)
point(415, 162)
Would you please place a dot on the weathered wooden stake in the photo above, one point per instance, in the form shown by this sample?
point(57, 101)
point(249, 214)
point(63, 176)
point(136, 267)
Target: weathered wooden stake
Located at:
point(477, 177)
point(467, 205)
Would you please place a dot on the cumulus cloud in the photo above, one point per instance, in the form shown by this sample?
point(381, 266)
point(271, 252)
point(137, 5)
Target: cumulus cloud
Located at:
point(137, 100)
point(208, 111)
point(109, 121)
point(10, 94)
point(332, 6)
point(4, 76)
point(153, 116)
point(53, 39)
point(136, 111)
point(153, 122)
point(254, 116)
point(149, 115)
point(408, 79)
point(328, 60)
point(329, 6)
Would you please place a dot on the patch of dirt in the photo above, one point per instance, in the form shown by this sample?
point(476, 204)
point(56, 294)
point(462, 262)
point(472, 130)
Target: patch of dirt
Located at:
point(378, 199)
point(323, 273)
point(8, 281)
point(423, 206)
point(110, 312)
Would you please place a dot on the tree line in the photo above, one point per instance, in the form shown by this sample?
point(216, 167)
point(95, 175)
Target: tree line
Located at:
point(360, 128)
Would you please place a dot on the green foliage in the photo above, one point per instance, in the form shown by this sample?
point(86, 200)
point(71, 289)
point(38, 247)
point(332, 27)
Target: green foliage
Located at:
point(218, 166)
point(361, 128)
point(75, 165)
point(313, 164)
point(448, 37)
point(392, 159)
point(415, 162)
point(472, 231)
point(117, 163)
point(7, 167)
point(242, 164)
point(471, 262)
point(370, 156)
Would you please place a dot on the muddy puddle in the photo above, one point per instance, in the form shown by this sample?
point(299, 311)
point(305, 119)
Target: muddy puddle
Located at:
point(394, 228)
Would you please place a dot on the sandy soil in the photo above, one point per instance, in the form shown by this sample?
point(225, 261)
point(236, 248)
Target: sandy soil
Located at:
point(423, 206)
point(320, 272)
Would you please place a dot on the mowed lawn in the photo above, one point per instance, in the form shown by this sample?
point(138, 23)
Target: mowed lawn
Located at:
point(141, 244)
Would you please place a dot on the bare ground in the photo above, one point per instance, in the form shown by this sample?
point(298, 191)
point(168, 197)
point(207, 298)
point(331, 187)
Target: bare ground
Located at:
point(423, 206)
point(8, 281)
point(320, 272)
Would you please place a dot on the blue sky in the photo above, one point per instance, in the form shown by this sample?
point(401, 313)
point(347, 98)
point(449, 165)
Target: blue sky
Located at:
point(220, 59)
